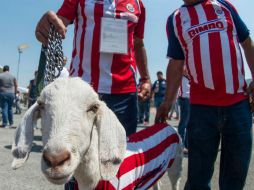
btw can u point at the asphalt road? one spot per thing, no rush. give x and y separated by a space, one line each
30 177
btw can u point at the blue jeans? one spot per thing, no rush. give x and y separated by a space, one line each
210 125
144 111
184 104
158 100
6 101
125 107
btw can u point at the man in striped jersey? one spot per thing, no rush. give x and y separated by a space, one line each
206 36
111 73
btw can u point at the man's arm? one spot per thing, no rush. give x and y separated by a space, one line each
141 61
174 78
248 47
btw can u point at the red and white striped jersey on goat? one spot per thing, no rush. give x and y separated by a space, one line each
149 154
207 35
108 73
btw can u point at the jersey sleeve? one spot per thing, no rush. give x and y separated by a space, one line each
175 50
140 28
68 9
242 30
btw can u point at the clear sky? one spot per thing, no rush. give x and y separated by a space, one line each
18 20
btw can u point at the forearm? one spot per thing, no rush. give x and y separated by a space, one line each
65 21
174 78
248 47
141 59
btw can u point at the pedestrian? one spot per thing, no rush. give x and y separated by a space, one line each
8 88
17 102
32 91
108 46
206 35
184 104
174 109
143 111
158 89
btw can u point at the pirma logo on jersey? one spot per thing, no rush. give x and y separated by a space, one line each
211 26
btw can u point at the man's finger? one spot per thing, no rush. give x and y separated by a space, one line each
41 38
58 23
43 31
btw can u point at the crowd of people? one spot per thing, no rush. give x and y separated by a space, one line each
205 77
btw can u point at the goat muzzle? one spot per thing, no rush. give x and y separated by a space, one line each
56 159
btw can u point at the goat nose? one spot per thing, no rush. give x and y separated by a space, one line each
54 160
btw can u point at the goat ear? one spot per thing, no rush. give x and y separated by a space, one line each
112 142
22 144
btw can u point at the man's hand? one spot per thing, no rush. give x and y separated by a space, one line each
162 113
144 91
250 91
43 26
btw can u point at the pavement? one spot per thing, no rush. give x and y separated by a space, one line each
29 177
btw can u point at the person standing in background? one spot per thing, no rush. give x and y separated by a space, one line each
184 103
158 89
32 91
8 89
174 109
143 110
17 102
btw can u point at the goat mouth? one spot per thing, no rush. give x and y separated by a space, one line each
59 179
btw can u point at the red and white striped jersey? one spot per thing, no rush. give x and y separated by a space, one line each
149 154
207 35
107 73
184 90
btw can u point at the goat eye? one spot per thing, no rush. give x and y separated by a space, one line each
93 108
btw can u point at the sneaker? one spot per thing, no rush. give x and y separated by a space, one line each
12 126
3 126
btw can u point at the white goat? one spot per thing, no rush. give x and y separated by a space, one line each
81 137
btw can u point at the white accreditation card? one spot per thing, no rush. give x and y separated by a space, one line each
114 36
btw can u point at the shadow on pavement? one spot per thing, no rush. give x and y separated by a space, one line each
35 148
